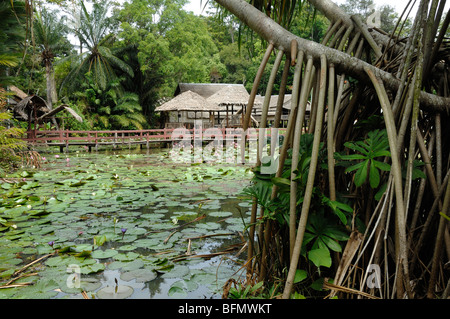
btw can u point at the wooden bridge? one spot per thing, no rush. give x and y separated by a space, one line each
93 139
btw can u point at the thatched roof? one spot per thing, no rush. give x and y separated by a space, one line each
188 101
273 103
23 109
204 89
60 108
230 95
27 106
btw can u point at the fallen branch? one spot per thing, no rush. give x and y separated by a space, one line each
211 235
17 285
175 229
210 255
32 263
21 276
328 285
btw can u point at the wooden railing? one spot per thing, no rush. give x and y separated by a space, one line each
94 138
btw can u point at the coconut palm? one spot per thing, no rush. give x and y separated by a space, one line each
93 31
50 37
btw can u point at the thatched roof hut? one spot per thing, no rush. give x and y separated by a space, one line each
203 89
32 105
184 105
16 95
230 95
34 109
286 107
188 101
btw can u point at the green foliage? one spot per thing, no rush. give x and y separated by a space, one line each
110 108
10 141
388 15
374 146
11 34
245 292
324 231
93 31
324 236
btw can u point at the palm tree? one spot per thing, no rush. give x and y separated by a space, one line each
11 33
111 107
93 31
50 36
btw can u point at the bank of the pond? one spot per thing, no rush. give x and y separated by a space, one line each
125 224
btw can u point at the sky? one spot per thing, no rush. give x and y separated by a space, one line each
399 5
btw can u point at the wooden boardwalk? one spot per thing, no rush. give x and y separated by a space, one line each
94 139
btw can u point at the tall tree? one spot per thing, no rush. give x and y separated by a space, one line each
50 34
94 32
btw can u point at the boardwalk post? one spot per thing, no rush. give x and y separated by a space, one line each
96 142
165 138
67 141
115 140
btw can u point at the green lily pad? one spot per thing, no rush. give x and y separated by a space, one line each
220 214
178 271
115 292
94 268
180 288
103 254
43 289
146 242
130 256
140 275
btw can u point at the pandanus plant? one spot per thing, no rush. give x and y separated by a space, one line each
354 74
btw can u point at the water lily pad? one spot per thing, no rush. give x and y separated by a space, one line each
127 256
43 289
182 287
208 225
140 275
102 254
127 247
132 265
178 271
146 242
115 292
220 214
94 268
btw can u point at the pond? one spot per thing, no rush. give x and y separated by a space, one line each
123 224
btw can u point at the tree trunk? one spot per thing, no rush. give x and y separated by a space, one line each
51 89
344 63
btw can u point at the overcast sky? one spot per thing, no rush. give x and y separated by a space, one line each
399 5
